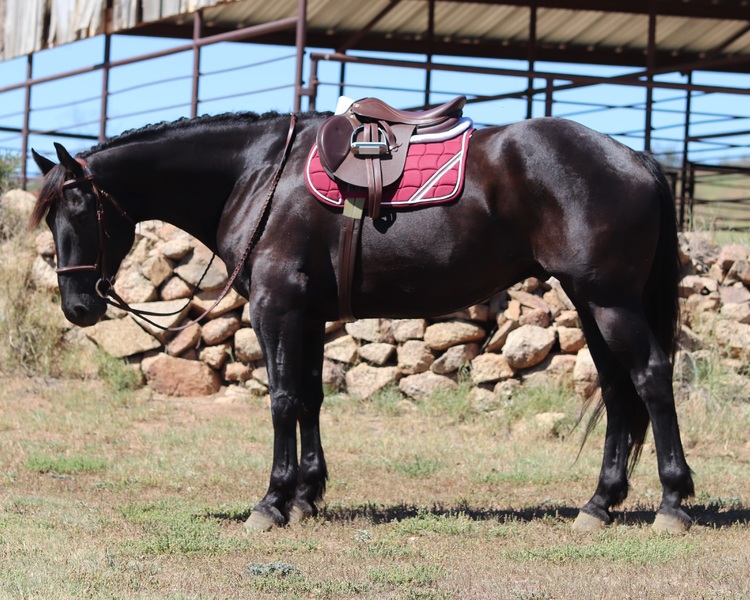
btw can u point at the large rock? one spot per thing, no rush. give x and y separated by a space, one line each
733 338
133 287
414 356
207 298
193 268
408 329
170 313
179 377
504 327
370 330
455 358
185 340
43 275
585 375
424 385
490 368
730 254
122 337
442 336
343 349
364 380
17 203
175 288
377 353
571 339
156 269
215 356
246 345
528 346
220 329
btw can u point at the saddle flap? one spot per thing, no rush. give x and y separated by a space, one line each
351 169
334 139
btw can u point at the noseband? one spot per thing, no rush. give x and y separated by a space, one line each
106 282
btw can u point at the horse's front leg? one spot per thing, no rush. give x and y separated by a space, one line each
293 351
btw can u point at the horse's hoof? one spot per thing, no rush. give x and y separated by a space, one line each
588 523
299 513
259 522
671 524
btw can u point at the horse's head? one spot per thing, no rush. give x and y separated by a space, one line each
92 234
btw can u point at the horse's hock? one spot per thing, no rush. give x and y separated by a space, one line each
529 333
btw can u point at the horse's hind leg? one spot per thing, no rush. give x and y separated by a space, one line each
625 333
627 421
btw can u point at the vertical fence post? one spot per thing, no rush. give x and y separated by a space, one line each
197 33
301 44
26 121
685 150
650 64
105 87
531 60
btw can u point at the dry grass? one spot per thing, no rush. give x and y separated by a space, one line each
107 493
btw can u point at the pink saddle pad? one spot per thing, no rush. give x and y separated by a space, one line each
434 174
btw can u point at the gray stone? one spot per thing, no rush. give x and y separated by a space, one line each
215 356
17 203
423 385
122 337
701 248
695 284
557 369
165 308
364 380
571 339
193 268
490 368
504 327
585 375
44 244
133 287
568 318
156 269
528 346
414 356
205 299
730 254
408 329
343 349
185 340
734 294
535 316
174 289
334 376
175 249
371 330
179 377
220 329
733 338
737 312
455 358
441 336
377 353
43 275
689 340
246 345
236 372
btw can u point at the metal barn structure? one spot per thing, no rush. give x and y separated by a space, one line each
540 56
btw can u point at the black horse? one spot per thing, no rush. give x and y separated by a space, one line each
544 197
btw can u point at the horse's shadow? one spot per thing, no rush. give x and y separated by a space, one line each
712 515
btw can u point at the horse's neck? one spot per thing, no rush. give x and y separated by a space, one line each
171 181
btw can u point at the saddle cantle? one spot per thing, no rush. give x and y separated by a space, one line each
366 146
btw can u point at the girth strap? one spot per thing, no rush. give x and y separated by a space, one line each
349 240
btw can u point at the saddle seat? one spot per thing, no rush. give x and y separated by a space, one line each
365 146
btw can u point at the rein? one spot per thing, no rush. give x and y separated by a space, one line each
100 266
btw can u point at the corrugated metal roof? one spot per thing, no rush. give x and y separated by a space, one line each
612 32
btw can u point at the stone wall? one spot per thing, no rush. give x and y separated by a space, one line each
530 332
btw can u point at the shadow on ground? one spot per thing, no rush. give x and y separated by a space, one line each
714 515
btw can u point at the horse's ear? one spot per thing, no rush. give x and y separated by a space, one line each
44 163
67 161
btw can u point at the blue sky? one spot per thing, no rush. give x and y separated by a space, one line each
259 78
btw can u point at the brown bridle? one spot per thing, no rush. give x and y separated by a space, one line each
100 266
105 284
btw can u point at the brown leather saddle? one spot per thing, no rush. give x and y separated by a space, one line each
365 148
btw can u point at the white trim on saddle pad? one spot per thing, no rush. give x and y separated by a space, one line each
463 124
